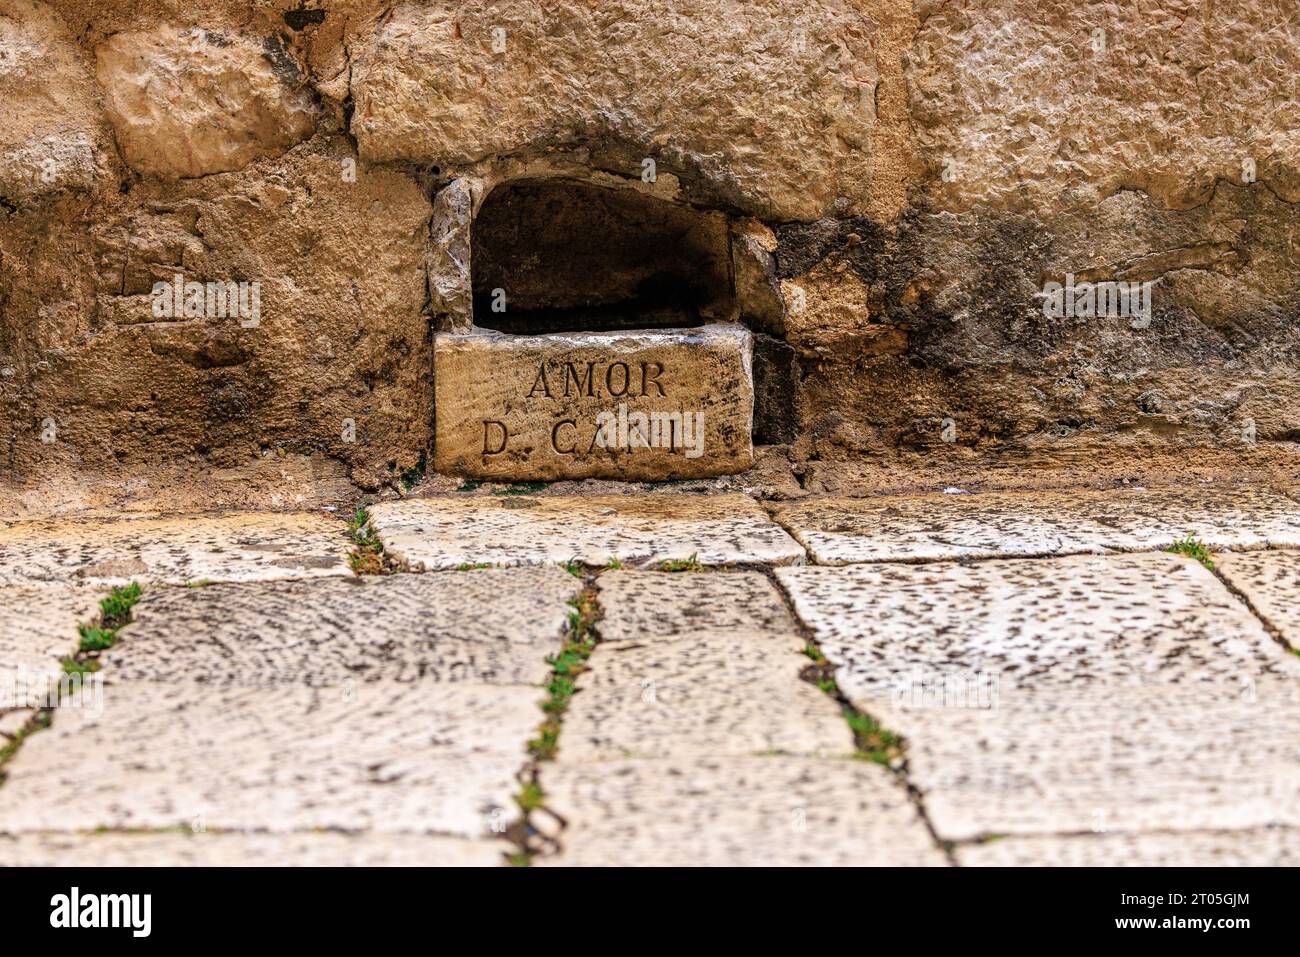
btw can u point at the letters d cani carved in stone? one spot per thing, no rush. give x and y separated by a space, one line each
627 405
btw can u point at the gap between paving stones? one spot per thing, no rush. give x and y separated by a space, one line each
114 614
1238 593
580 641
873 742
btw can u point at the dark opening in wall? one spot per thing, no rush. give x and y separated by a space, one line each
559 256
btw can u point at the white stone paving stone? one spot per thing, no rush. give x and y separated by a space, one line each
1006 524
1270 581
483 626
378 756
1257 847
1062 622
731 686
236 546
752 811
1053 696
434 534
240 849
740 605
38 628
1118 759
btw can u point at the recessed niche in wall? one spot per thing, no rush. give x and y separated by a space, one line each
558 256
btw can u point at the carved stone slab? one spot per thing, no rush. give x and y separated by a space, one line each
641 405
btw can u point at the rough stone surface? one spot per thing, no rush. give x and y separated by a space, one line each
681 699
246 850
1118 693
1045 110
988 525
733 609
718 691
1114 758
1258 847
38 627
485 626
191 102
641 530
52 133
704 88
756 811
1061 623
237 546
575 405
1270 581
380 757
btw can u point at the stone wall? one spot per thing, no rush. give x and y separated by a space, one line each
900 179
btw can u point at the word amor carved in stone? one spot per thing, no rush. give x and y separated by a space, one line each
629 405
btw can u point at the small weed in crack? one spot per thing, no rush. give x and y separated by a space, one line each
1193 547
566 665
689 564
114 613
367 556
871 741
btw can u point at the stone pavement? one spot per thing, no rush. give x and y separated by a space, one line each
961 679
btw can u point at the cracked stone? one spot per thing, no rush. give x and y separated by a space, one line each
1270 581
483 626
437 534
377 756
238 546
1006 524
769 811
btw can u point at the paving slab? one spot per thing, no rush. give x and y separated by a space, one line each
1111 758
1001 625
436 534
312 849
1270 582
1257 847
379 756
678 699
1006 524
38 627
1037 697
730 687
236 546
484 626
751 811
645 607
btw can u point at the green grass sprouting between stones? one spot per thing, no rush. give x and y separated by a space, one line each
367 556
688 564
114 612
871 741
571 661
1193 547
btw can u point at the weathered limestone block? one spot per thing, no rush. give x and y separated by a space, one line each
1044 101
189 102
704 88
629 405
51 135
